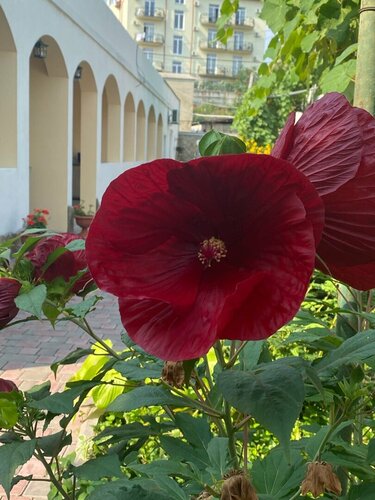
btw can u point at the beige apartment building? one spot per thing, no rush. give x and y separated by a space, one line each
179 38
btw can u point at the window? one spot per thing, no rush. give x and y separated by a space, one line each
238 40
211 64
213 13
149 30
240 15
176 67
149 53
236 65
181 2
211 41
179 19
149 8
177 45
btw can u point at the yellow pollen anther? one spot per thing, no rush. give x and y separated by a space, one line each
210 250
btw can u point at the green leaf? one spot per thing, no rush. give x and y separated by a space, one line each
147 395
179 450
356 349
347 52
12 456
81 309
218 453
136 489
95 469
134 370
75 245
371 451
338 78
275 476
250 354
365 491
54 443
172 488
195 430
71 358
309 40
207 140
32 301
8 410
39 391
274 13
62 402
163 467
273 395
215 143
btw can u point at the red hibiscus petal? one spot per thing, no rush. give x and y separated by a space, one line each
284 142
327 143
7 385
9 289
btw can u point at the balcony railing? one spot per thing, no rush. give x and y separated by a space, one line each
244 23
208 19
155 14
231 47
149 38
217 72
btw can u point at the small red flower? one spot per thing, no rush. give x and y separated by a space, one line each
333 144
66 265
9 289
7 385
219 247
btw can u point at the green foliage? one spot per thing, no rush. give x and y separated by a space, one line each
12 456
216 143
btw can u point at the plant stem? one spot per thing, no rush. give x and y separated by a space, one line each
60 489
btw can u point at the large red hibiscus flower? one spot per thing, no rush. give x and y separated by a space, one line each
9 289
333 144
66 266
216 248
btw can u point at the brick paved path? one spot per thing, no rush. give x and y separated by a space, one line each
26 353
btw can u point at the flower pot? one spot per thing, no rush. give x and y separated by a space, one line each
83 221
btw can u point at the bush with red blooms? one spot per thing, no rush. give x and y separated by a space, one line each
9 289
7 385
66 265
205 250
37 219
333 145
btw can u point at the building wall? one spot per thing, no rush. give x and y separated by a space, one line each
49 117
246 47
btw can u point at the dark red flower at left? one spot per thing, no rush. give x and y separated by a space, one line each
7 385
67 265
219 247
9 289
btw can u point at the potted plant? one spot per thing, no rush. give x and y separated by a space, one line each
37 219
83 217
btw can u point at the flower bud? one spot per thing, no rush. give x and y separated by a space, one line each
238 487
7 385
320 478
173 373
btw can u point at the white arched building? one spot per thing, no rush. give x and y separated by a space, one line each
72 121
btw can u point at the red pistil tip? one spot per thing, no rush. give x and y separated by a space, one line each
212 249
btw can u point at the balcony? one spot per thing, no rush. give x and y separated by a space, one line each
208 20
149 39
158 65
214 45
218 72
242 23
150 14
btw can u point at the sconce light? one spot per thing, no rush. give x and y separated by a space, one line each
78 73
40 49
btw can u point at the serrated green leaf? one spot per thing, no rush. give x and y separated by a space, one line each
12 456
71 358
133 369
179 450
32 301
54 443
62 402
81 309
218 454
274 395
195 430
163 467
95 469
147 395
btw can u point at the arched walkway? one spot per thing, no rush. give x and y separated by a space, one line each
140 135
111 113
49 133
159 138
129 128
84 135
151 134
8 95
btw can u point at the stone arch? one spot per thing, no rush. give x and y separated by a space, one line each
49 133
140 135
8 95
159 137
151 134
129 128
111 116
84 143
